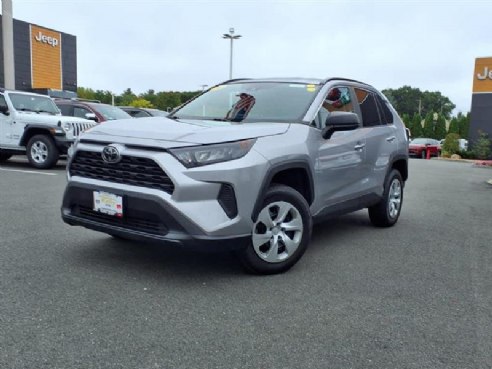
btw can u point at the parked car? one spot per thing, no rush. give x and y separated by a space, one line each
31 124
248 165
419 147
143 112
90 109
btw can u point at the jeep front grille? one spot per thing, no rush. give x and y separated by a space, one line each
79 127
131 170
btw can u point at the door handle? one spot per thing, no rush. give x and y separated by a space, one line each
391 139
359 147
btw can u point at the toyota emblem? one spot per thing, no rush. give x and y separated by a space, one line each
110 154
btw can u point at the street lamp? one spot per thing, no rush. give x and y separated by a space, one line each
231 36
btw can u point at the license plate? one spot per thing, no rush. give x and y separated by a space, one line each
108 203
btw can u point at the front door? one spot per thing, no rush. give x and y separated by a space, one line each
340 158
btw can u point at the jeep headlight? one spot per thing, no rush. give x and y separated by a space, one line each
67 127
197 156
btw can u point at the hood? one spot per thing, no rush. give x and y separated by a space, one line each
168 132
42 118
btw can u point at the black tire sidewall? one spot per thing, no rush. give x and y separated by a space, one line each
250 258
53 152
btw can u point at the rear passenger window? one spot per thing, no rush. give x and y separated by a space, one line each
385 112
368 108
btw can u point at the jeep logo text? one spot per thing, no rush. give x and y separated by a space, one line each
486 74
46 39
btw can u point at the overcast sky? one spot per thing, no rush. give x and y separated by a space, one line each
178 45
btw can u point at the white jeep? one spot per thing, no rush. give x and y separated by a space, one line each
32 124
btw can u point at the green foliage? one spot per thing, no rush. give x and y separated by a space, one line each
440 128
451 144
428 130
410 100
482 146
416 126
164 100
463 124
141 103
454 126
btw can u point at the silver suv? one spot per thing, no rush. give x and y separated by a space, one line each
248 165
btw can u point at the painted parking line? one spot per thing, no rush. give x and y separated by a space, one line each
27 171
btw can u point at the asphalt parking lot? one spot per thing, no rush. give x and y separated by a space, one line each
418 295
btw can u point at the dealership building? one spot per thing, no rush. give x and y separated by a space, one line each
45 60
481 108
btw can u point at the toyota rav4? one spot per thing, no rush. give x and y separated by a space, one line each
247 165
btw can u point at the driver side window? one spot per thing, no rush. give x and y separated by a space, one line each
337 99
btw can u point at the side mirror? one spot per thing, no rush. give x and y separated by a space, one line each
4 109
340 121
91 116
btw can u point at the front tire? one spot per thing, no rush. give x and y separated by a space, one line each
42 152
387 211
281 233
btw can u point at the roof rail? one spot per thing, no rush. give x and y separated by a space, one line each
236 79
77 99
344 79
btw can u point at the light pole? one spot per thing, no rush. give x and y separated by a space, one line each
231 36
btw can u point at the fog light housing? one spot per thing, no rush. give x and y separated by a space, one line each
227 200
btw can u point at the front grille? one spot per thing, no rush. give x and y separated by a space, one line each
131 170
147 224
79 127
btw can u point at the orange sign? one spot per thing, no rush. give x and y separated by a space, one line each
482 79
46 68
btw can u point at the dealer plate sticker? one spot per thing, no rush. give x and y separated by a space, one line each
108 203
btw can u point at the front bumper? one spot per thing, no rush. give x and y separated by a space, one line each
192 214
146 218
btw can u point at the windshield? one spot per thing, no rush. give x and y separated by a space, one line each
252 102
111 112
33 103
423 141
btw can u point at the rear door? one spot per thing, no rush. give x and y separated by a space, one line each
380 137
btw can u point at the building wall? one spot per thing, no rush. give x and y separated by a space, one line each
481 109
41 63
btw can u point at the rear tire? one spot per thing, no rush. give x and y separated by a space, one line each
281 233
42 152
4 157
387 211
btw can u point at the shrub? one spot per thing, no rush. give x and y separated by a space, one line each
451 144
482 146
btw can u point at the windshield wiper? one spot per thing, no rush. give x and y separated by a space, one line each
27 109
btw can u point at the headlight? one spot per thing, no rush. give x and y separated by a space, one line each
67 127
197 156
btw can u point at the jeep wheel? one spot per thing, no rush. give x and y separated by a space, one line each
4 157
387 211
280 234
42 152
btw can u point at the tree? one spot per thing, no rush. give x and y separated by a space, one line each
141 103
454 126
429 125
416 129
440 128
464 125
410 100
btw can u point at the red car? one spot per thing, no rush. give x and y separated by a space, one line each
419 147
